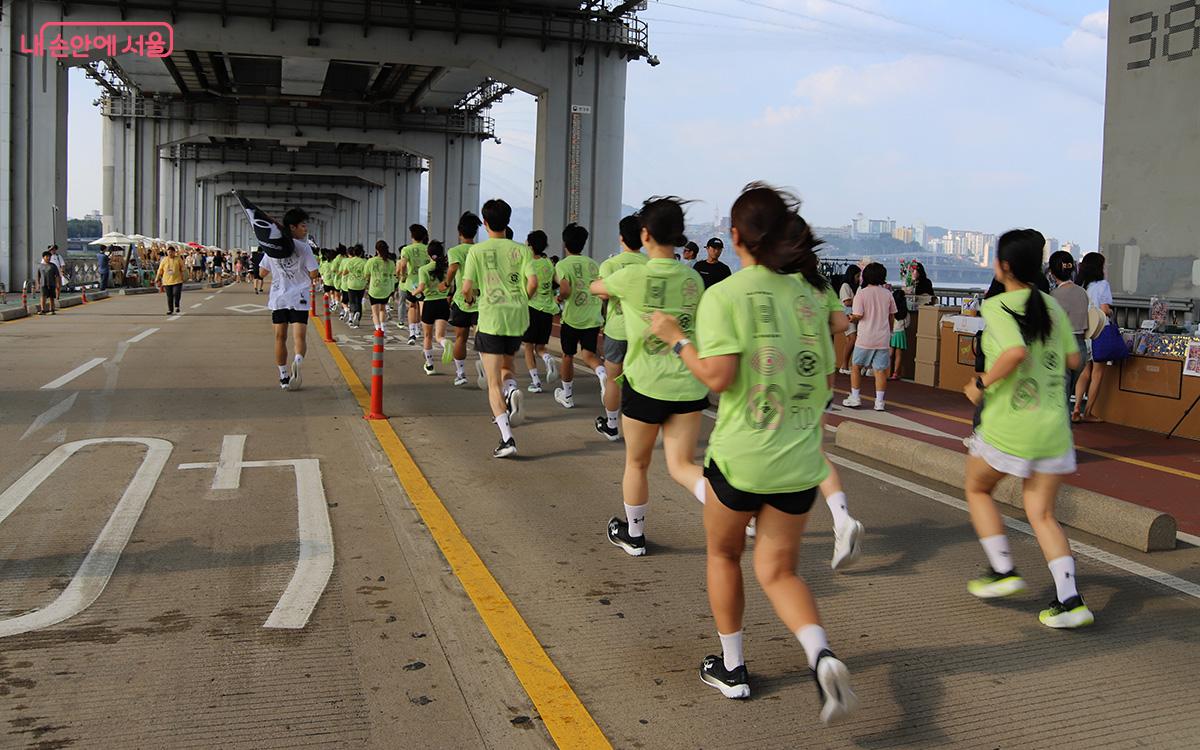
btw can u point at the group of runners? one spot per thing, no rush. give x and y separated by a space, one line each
762 340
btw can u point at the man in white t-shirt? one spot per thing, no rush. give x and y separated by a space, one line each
291 286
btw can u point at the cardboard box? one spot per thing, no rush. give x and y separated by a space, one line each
926 373
929 319
928 348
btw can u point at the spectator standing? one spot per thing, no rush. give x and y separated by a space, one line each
1091 278
256 258
690 251
102 267
846 294
712 271
169 278
1074 301
57 259
873 311
48 280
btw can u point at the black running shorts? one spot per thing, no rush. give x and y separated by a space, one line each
377 300
575 338
460 319
434 310
289 316
328 287
488 343
538 332
650 410
792 503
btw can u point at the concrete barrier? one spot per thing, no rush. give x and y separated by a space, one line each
1107 517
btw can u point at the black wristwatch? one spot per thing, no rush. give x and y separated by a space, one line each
679 345
979 383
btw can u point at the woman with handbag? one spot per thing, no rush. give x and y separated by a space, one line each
1091 278
1024 431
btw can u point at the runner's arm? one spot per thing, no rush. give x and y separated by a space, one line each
531 285
451 272
838 322
717 373
468 291
564 290
599 289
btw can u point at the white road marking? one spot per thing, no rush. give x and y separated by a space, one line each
1087 550
174 317
142 336
889 419
198 304
247 308
51 414
93 574
60 382
1189 538
314 565
206 299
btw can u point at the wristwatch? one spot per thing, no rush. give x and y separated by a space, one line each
679 346
979 383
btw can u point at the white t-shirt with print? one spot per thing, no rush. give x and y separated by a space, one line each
290 282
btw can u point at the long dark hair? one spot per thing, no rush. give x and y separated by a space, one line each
770 226
1021 250
437 253
924 285
1091 269
383 251
853 277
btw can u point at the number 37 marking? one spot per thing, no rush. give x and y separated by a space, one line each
1172 27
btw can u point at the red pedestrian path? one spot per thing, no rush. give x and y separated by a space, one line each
1134 465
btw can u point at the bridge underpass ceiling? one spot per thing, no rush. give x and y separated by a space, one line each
287 181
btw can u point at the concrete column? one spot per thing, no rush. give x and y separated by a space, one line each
580 135
33 139
453 184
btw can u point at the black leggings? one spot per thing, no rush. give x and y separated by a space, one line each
356 296
174 294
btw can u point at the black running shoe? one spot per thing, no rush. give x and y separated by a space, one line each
618 534
284 383
732 684
833 685
613 434
505 449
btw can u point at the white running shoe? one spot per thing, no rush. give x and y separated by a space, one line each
480 377
429 369
534 388
852 401
296 381
568 402
514 402
752 528
551 372
843 372
833 681
460 380
879 406
847 545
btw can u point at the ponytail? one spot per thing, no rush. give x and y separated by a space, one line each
437 253
770 226
1021 251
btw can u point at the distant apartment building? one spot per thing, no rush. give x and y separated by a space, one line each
919 234
969 245
1074 249
864 227
904 234
1049 249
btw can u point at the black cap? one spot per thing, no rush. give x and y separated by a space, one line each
715 242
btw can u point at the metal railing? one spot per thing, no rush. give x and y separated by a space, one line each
1128 310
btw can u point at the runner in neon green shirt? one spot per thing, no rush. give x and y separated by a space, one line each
615 344
1024 428
493 276
355 269
433 292
463 315
381 282
339 281
542 307
760 345
581 319
412 257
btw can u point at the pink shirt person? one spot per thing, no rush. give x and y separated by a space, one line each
874 303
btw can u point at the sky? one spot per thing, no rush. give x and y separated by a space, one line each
980 115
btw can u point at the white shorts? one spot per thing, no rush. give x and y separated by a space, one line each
1006 463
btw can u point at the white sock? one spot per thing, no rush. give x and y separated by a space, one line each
636 516
535 377
853 393
414 329
837 507
510 385
283 371
428 356
547 358
299 358
1063 570
568 388
505 427
700 491
879 397
613 418
731 650
601 373
998 555
460 367
812 638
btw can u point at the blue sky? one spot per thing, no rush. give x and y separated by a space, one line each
984 114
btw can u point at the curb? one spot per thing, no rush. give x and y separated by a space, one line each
1119 521
16 313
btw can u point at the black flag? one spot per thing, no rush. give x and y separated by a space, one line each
270 236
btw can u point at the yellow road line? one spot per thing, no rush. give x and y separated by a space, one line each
1093 451
565 717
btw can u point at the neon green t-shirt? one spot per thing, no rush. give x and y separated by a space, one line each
614 323
543 298
458 254
494 268
356 273
432 292
381 277
665 284
1025 414
416 255
323 270
582 309
832 305
768 433
338 279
